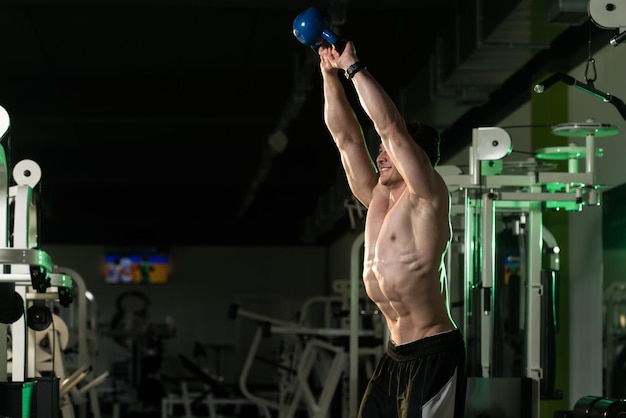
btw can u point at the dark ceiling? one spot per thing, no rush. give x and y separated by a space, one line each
153 120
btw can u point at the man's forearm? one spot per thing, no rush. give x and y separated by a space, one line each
338 114
375 101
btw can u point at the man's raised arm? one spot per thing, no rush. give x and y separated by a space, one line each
346 131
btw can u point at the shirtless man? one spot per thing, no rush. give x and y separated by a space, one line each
407 233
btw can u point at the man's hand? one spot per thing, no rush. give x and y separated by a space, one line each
331 59
325 60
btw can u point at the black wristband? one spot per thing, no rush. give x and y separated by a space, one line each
353 69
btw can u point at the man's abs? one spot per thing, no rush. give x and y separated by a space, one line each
414 305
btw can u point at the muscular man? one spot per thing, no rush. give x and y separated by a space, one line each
407 233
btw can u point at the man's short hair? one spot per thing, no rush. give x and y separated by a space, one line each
427 138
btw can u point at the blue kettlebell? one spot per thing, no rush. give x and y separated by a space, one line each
312 27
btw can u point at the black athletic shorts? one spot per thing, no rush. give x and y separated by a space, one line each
422 379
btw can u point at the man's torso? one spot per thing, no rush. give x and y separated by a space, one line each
404 246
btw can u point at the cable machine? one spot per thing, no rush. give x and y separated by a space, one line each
33 378
510 262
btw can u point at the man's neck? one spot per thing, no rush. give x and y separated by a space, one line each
396 191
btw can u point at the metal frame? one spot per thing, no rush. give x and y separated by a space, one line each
488 192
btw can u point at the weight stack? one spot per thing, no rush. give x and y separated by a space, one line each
18 399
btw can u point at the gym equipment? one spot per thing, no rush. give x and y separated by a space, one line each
5 122
29 282
599 407
39 316
586 87
11 304
214 394
131 317
609 15
303 361
316 357
572 153
17 396
312 28
486 199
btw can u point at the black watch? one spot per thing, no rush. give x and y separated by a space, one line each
353 69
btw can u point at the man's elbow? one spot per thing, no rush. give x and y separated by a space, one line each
390 126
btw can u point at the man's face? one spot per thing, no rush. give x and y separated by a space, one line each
387 171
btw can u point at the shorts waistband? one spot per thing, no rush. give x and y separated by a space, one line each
445 341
